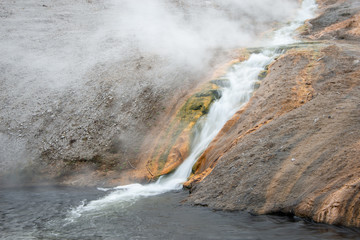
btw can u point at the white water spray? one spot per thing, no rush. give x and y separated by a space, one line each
286 34
242 77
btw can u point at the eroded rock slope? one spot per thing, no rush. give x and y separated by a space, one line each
295 147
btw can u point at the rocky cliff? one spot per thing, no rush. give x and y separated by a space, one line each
295 147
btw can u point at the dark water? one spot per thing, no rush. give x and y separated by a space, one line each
42 213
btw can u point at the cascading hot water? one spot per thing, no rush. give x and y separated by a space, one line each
241 77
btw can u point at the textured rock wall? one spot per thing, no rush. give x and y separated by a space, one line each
295 147
173 144
168 144
338 20
83 82
87 132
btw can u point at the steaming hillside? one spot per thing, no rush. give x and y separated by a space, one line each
83 81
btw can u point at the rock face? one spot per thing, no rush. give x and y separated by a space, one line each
88 134
338 20
295 147
79 94
80 135
172 145
77 101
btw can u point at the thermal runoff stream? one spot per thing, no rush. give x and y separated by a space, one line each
242 78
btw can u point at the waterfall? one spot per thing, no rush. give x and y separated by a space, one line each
242 77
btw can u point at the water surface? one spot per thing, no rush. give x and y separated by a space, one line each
43 213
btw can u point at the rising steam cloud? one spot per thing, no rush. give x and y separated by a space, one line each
61 40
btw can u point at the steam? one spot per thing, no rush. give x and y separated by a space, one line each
187 32
58 58
11 152
57 42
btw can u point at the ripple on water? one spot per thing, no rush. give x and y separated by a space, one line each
42 213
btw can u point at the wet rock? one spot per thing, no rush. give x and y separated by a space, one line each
262 74
257 85
337 20
172 145
299 117
221 82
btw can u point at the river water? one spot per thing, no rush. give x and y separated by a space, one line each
43 213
